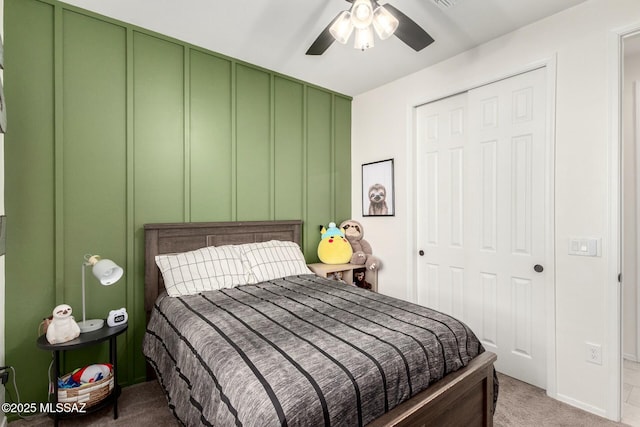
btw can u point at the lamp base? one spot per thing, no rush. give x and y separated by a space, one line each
91 325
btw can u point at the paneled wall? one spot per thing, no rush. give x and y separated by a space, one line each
111 127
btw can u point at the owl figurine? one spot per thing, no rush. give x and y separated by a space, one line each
63 327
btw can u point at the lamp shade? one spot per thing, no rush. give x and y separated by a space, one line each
384 23
107 272
364 38
361 14
342 28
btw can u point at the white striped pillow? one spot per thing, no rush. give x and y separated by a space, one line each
273 260
204 269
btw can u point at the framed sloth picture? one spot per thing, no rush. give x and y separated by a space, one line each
377 189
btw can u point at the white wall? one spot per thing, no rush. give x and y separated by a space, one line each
629 273
578 38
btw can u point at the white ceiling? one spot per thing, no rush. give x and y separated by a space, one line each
275 34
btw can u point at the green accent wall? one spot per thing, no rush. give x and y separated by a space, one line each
110 127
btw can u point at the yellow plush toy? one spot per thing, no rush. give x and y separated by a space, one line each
334 248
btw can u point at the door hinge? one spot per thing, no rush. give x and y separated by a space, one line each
619 277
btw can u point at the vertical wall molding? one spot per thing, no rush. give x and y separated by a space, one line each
303 160
234 142
272 146
131 302
334 190
305 166
187 131
58 153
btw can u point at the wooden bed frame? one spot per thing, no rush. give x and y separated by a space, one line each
462 398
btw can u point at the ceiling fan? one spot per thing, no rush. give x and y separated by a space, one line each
361 17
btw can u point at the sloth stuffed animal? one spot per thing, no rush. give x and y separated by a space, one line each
362 253
62 328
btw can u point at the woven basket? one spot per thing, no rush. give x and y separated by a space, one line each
90 393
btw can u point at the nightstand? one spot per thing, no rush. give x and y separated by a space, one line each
323 270
85 340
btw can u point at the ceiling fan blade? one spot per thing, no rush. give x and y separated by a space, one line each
324 40
410 32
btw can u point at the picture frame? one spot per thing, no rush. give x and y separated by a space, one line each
378 192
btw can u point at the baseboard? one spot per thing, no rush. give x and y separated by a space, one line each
581 405
630 357
140 380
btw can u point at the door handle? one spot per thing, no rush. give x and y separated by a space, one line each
421 252
538 268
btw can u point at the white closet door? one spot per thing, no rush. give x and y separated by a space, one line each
481 206
441 136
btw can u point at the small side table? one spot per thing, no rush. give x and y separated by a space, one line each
85 340
323 270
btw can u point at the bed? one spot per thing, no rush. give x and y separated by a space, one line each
304 350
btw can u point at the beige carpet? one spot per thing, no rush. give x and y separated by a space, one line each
139 405
519 405
523 405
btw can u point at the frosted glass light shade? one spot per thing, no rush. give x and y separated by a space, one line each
342 27
364 38
384 23
362 14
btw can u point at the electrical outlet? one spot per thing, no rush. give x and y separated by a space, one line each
4 377
594 353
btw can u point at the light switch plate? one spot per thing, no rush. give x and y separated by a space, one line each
584 246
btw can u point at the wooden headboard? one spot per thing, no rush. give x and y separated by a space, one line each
187 236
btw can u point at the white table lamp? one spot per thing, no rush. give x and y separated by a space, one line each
108 273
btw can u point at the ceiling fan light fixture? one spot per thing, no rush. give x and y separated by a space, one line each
384 23
362 14
365 16
342 27
364 38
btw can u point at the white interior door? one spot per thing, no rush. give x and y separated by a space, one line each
441 136
481 217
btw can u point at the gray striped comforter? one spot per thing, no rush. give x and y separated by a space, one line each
298 351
